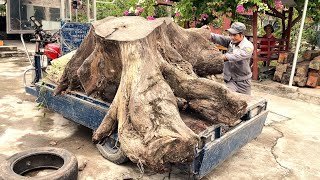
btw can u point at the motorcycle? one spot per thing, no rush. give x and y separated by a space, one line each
47 50
46 43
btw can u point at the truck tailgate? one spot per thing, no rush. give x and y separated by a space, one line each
218 147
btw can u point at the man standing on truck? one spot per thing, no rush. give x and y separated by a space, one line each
236 70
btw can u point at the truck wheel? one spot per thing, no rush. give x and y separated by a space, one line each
110 149
63 164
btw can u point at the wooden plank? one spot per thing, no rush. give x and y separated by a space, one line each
302 69
313 72
220 47
286 57
289 68
282 57
313 81
282 67
300 81
278 76
285 78
310 54
290 57
315 63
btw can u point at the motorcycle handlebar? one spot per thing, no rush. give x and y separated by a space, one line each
42 36
36 23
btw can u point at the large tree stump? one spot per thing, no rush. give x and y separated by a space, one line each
310 54
145 69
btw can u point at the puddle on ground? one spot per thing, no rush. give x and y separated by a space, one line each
10 69
20 118
31 141
54 125
14 137
18 109
45 124
21 63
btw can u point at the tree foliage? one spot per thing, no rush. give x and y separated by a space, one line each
144 8
209 11
313 11
191 9
2 8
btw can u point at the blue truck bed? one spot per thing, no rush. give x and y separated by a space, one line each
216 145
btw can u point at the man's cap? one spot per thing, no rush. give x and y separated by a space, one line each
236 28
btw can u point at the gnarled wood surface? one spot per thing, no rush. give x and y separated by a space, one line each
146 68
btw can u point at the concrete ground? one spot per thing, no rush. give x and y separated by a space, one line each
30 46
306 94
288 147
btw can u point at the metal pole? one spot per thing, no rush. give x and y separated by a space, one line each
62 10
70 10
255 45
88 10
25 48
298 42
94 10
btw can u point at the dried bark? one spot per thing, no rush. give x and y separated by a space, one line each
145 69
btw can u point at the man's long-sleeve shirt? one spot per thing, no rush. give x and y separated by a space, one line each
238 55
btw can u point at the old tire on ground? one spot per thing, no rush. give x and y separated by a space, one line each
63 162
110 149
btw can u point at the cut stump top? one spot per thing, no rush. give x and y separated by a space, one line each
135 27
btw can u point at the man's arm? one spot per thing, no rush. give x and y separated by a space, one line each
242 54
219 39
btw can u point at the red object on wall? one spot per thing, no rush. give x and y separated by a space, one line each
225 26
226 22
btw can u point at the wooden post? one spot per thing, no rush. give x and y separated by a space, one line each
255 44
269 53
289 28
47 13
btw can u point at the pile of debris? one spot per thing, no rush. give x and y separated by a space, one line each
307 71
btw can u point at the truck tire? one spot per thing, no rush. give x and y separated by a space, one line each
110 149
64 163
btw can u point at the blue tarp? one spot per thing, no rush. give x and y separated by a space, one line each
72 35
